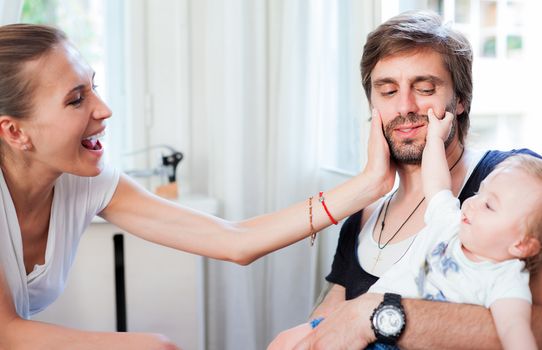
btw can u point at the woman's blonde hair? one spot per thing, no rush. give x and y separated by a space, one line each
20 44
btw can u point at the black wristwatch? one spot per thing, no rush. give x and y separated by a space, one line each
388 319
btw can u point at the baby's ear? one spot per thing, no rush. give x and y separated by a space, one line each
525 247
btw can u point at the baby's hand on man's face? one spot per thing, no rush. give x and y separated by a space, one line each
439 127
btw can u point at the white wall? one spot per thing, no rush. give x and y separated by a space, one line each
159 85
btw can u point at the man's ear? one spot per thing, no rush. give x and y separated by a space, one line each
459 108
525 247
12 133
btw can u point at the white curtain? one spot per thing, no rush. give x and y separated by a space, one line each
254 98
296 60
10 11
256 91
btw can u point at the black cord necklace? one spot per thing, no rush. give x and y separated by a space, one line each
409 216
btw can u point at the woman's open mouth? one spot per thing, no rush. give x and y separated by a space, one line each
93 142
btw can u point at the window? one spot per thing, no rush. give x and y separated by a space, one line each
505 69
96 29
507 52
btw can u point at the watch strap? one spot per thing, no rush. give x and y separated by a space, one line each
392 299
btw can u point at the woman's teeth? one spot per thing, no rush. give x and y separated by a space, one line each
95 137
93 142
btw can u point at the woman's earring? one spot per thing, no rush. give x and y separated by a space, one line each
25 147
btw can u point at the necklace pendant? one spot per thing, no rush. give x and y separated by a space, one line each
376 259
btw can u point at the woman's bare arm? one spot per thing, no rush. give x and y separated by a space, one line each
19 334
139 212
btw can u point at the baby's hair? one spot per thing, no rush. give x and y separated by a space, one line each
532 166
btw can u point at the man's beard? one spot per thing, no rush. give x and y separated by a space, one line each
409 151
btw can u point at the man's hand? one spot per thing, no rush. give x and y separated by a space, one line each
346 328
439 127
287 339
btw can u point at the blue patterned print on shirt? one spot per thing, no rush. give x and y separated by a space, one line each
420 280
447 263
440 249
425 269
437 262
435 297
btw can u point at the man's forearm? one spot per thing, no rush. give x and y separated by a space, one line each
439 325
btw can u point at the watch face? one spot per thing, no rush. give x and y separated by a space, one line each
388 320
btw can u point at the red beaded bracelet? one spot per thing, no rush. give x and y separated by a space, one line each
323 201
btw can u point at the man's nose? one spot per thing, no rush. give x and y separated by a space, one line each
407 104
